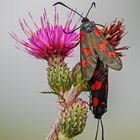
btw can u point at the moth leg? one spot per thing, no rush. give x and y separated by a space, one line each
71 31
90 102
73 46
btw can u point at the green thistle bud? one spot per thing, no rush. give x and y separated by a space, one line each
77 78
73 120
58 75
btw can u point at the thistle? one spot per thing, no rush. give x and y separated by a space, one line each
50 43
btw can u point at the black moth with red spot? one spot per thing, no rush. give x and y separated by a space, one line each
96 55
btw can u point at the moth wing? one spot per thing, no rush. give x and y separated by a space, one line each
105 52
88 65
88 58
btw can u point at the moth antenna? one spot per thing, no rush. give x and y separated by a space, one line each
67 7
71 31
93 3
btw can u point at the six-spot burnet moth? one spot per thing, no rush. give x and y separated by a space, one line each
96 55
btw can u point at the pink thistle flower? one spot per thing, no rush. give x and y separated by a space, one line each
48 40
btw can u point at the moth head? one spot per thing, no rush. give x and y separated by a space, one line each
84 20
86 25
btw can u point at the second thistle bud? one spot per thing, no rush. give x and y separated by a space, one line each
77 78
73 120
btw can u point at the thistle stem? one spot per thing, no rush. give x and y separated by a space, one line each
75 93
54 134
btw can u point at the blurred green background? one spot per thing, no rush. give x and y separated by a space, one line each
25 114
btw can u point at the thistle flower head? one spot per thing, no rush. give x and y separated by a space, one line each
48 39
114 33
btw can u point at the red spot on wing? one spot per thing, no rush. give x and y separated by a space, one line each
95 102
96 31
82 36
87 51
111 54
84 63
102 47
92 87
98 84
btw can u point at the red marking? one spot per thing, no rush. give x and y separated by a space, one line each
96 32
82 36
102 47
111 55
87 51
95 102
84 63
98 84
92 87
